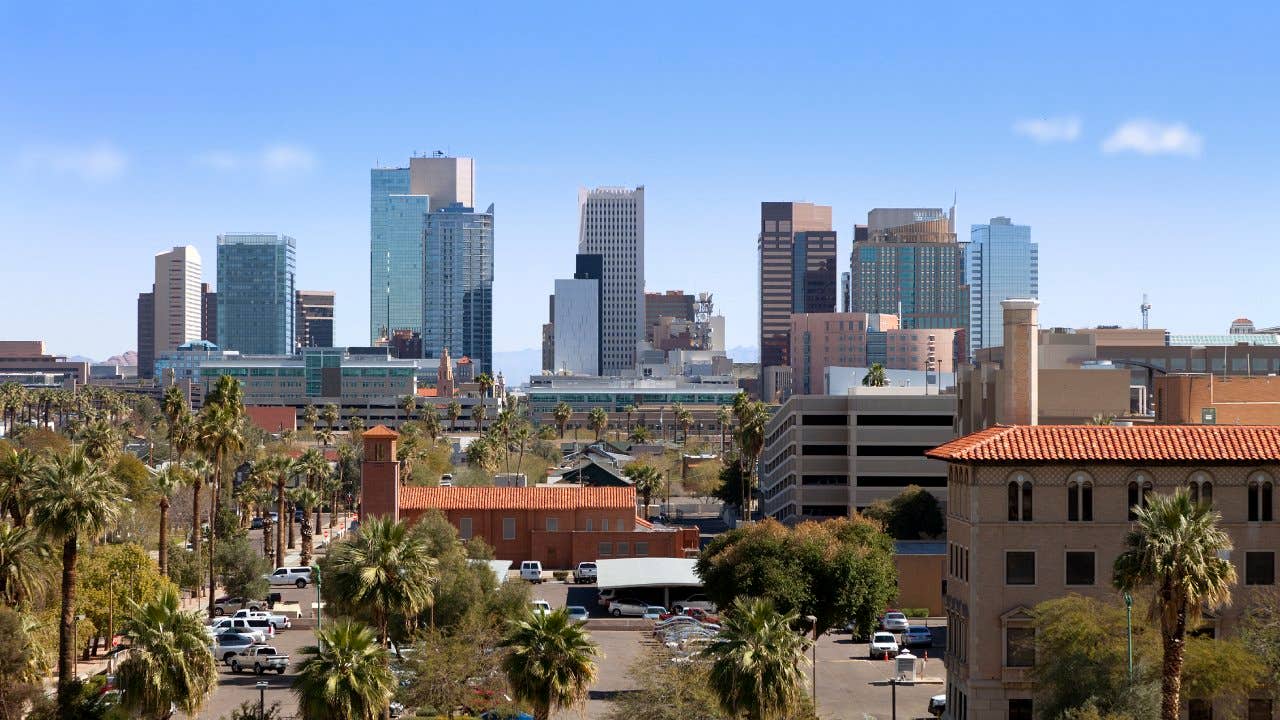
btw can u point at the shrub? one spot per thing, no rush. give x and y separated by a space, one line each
560 575
916 612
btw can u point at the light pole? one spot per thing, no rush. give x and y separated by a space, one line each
1128 626
262 700
813 622
315 573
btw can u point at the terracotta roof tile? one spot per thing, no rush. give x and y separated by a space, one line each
517 498
380 431
1113 443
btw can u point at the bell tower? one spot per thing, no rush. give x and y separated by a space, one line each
380 474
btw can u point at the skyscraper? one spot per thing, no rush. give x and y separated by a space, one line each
147 334
176 299
672 303
797 250
577 342
256 293
314 322
400 200
208 314
611 224
910 265
457 283
1001 263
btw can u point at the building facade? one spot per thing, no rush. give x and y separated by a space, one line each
208 314
30 357
911 265
797 255
1205 399
256 293
823 340
1001 262
457 301
672 303
177 298
576 344
314 323
146 334
611 224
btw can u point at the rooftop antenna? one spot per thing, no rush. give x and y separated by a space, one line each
1146 310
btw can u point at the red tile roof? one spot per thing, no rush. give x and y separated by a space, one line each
1113 443
428 392
380 431
517 498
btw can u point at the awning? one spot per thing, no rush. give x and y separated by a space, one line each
646 572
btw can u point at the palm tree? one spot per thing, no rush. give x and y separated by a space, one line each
347 675
598 420
750 438
485 381
200 469
166 481
757 661
431 423
325 436
266 471
174 404
478 414
629 410
1174 548
312 465
304 498
875 376
383 570
408 404
723 417
70 498
331 415
647 479
17 469
24 564
550 661
521 436
562 414
309 417
355 427
640 434
168 663
219 437
101 440
684 419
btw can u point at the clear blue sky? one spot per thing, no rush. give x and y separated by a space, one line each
1139 143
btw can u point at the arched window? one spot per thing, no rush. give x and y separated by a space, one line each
1080 497
1261 489
1020 498
1140 488
1201 487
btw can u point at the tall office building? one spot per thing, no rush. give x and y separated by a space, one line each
845 298
672 303
576 321
176 299
314 322
256 313
457 283
208 314
910 265
797 271
611 224
400 200
147 334
1001 263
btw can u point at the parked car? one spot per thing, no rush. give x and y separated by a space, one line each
881 643
917 636
279 622
937 705
584 573
227 605
894 622
653 612
272 599
531 570
500 715
255 524
702 602
605 597
696 613
298 576
227 645
446 480
259 630
541 607
577 613
632 608
259 658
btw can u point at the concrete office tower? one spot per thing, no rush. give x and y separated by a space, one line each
797 250
314 322
1001 262
399 200
256 293
208 314
177 299
845 280
146 334
672 303
611 224
457 283
911 265
549 335
1019 387
577 323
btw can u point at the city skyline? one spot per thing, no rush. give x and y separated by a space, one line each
1142 155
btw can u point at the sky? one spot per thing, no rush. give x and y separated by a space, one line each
1137 139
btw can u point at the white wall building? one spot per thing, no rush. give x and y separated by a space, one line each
577 326
611 223
177 298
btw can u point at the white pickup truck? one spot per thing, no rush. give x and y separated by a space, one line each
259 630
259 658
279 622
584 573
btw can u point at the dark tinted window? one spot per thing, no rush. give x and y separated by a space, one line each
826 420
1020 710
1259 568
1020 568
824 450
1080 568
901 481
893 450
907 420
824 510
824 479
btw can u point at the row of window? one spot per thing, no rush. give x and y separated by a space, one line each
1080 567
1260 490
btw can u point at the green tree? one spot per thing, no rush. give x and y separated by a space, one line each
1173 549
346 676
724 418
304 498
452 669
23 664
276 469
640 434
757 661
550 662
562 414
380 571
168 663
485 381
25 564
166 482
408 403
598 421
331 414
309 417
108 579
751 417
912 514
455 412
71 498
478 415
875 376
241 570
839 571
647 480
666 690
18 467
220 437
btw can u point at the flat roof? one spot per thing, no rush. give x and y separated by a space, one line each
646 572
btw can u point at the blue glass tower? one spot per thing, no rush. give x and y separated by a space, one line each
256 293
457 281
1001 262
398 221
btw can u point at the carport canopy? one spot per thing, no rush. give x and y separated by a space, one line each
647 572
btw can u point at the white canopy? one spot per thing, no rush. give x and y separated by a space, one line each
646 572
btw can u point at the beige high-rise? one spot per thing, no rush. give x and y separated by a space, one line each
446 180
178 310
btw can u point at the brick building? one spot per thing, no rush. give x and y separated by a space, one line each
1201 398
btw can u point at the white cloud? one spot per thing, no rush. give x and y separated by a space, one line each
218 160
287 158
274 159
95 163
1049 130
1149 137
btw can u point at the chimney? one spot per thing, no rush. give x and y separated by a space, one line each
1019 379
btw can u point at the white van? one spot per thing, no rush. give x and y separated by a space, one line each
531 570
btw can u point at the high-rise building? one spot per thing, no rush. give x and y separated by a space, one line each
147 334
911 265
314 323
256 293
577 323
400 200
208 314
846 280
1001 263
611 224
549 335
672 303
797 271
176 299
457 283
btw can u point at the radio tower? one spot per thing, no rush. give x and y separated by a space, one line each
1146 310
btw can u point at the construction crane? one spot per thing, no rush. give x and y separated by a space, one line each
1146 310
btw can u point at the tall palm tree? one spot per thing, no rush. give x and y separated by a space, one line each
220 437
562 414
166 481
455 412
478 414
598 420
200 469
757 661
347 675
101 440
408 404
550 661
168 663
355 427
749 436
309 417
24 564
629 410
304 498
383 570
1173 548
276 470
72 497
647 480
17 469
875 376
330 415
521 437
314 468
431 422
684 419
724 416
485 381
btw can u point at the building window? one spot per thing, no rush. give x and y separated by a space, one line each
604 525
508 528
1080 567
1198 709
589 525
606 549
1260 568
623 548
464 528
553 524
1080 498
1201 487
1260 495
642 549
1019 567
1019 647
1020 709
1260 709
1140 488
1020 498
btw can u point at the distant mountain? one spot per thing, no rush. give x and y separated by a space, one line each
81 358
128 357
744 353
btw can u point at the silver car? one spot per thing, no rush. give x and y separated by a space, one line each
894 622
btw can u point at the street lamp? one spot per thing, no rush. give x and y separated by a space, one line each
1128 626
262 700
813 623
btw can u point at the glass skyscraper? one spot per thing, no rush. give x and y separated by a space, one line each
398 221
457 282
1001 262
910 265
256 293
